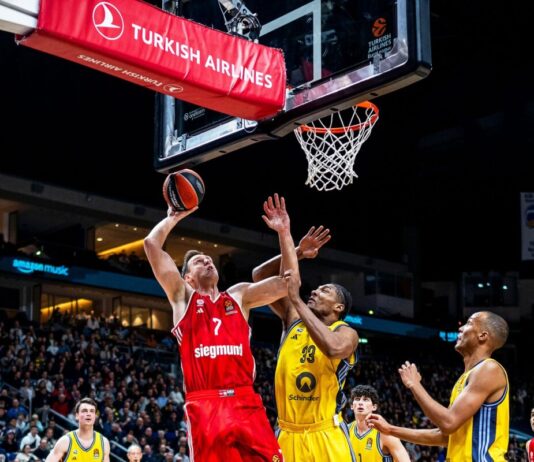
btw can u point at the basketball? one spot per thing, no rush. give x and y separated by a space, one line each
183 190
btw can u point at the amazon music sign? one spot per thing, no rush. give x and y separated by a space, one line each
138 42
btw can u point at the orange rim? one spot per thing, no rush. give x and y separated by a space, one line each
339 130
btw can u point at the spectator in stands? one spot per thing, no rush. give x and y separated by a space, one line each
16 409
5 400
92 323
139 428
3 418
22 424
35 421
182 452
61 406
53 348
129 439
42 451
116 433
148 454
31 439
9 444
176 396
25 454
42 402
26 391
56 433
50 438
134 453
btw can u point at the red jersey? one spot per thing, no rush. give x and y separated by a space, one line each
530 450
214 343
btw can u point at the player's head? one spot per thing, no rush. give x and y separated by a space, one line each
134 453
364 400
85 411
532 419
330 298
198 268
483 329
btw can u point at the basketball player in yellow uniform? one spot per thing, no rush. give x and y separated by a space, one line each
475 426
367 443
83 444
316 353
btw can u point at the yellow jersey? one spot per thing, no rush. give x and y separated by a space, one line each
308 384
78 453
366 446
485 435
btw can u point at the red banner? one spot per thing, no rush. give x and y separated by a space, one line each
138 42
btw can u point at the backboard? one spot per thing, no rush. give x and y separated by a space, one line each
337 53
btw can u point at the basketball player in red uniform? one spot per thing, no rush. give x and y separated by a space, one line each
226 418
530 443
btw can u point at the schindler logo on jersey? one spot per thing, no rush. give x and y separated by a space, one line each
213 351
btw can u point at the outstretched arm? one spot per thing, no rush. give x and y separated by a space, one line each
426 437
486 381
162 264
277 218
340 343
308 247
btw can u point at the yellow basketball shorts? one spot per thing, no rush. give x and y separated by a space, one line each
308 444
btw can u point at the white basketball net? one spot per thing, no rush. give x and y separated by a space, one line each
332 143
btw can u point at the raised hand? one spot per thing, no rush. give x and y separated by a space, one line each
179 215
410 376
276 216
314 239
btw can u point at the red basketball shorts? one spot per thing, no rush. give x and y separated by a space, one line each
230 425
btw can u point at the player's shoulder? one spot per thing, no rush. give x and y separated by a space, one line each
490 367
238 289
64 441
343 326
105 440
488 374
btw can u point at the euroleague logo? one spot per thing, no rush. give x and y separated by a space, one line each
108 21
379 27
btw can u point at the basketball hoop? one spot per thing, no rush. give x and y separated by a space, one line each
332 143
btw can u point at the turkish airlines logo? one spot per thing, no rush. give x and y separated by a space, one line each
108 21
